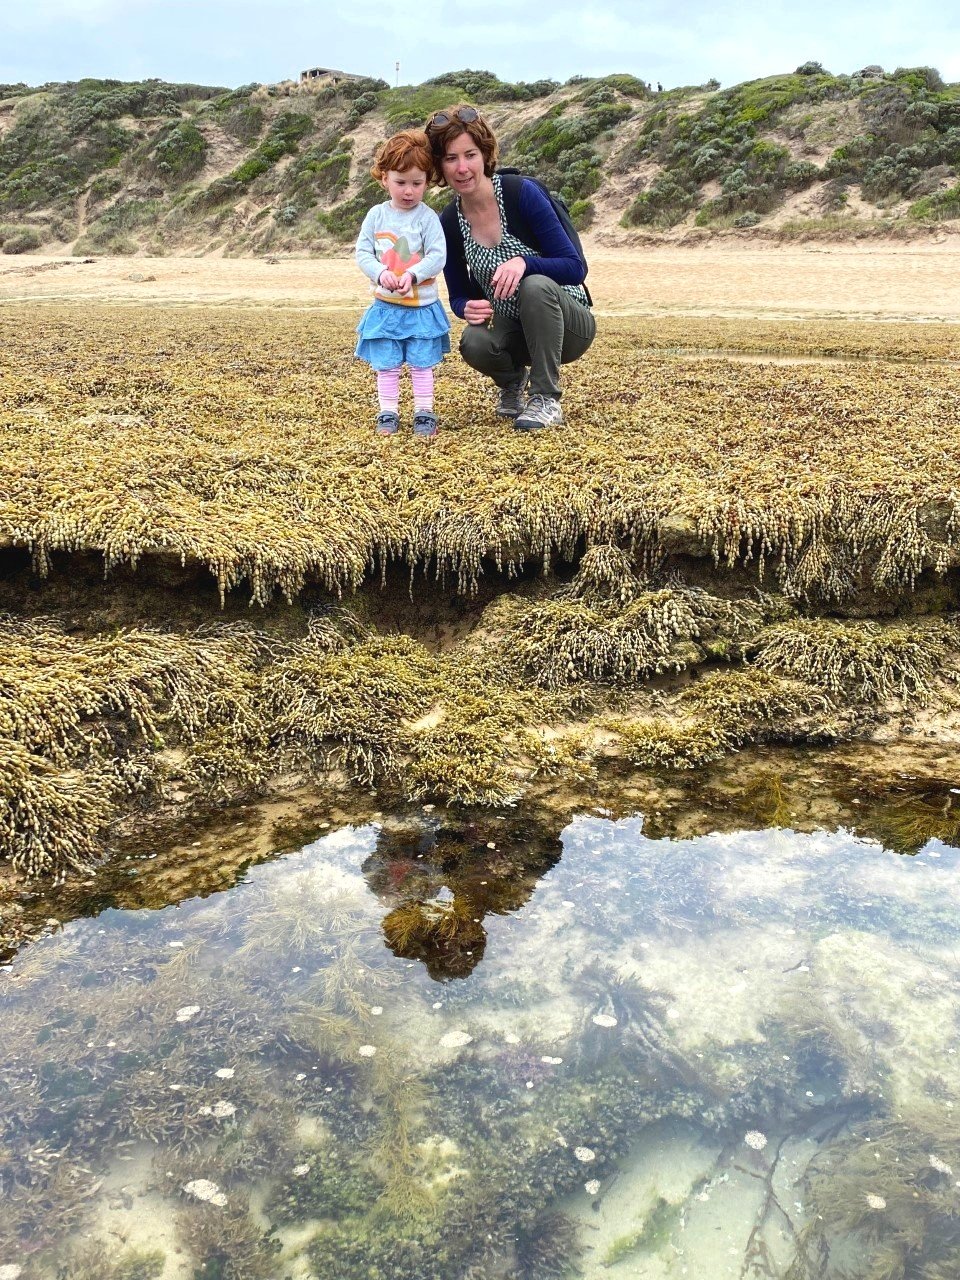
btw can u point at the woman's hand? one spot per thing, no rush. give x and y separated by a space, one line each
506 279
477 311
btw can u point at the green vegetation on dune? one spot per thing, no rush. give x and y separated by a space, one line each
280 168
64 135
559 149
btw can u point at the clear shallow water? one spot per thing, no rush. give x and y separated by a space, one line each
430 1048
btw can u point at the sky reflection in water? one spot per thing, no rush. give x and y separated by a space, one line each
448 1048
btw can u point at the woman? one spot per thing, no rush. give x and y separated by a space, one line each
512 272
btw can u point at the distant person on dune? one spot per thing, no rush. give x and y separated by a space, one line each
512 272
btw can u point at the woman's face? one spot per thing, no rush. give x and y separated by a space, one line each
462 165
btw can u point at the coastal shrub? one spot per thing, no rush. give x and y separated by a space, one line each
253 167
721 142
484 86
322 171
582 213
630 86
19 240
105 186
282 139
941 206
284 135
350 90
180 153
42 163
113 227
342 220
557 148
244 122
89 101
664 202
910 126
920 79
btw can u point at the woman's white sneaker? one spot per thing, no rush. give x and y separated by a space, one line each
539 411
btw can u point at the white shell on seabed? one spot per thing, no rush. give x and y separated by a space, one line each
220 1110
204 1189
367 1050
455 1039
941 1166
187 1012
755 1139
592 1187
584 1154
226 1073
875 1201
604 1020
10 1271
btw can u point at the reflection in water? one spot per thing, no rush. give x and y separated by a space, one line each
441 878
724 1055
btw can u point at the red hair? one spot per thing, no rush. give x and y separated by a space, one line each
408 149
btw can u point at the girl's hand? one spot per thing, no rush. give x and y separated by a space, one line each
506 279
404 284
477 311
387 280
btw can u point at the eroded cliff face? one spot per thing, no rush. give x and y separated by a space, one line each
715 553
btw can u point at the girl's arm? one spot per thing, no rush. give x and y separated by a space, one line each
434 246
558 257
366 250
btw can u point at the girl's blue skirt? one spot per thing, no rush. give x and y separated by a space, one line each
391 335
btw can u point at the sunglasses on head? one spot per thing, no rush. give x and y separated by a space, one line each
464 114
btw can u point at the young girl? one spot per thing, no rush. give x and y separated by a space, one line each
402 249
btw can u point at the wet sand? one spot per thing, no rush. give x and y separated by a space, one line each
886 281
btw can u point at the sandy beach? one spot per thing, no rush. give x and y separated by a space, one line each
917 282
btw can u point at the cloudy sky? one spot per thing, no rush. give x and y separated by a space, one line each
232 42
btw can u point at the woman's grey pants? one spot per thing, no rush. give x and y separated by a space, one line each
553 329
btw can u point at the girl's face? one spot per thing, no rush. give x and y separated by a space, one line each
462 164
405 188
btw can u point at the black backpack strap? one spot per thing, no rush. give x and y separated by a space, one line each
510 184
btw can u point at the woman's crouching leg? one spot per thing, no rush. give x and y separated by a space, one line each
557 330
496 351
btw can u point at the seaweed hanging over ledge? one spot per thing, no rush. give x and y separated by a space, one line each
262 468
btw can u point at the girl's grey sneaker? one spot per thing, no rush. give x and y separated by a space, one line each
539 411
511 398
424 425
388 423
